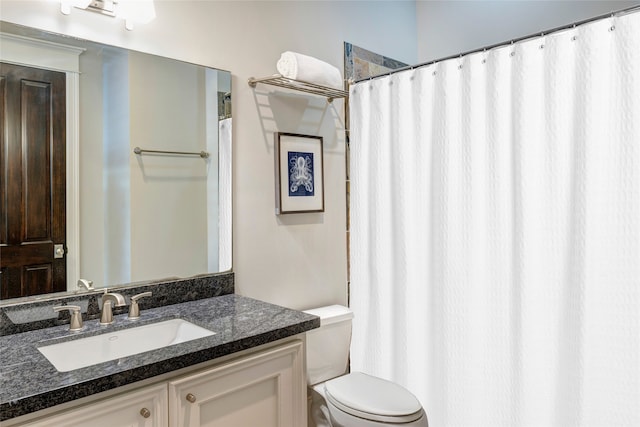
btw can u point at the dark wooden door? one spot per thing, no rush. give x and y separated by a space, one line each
32 181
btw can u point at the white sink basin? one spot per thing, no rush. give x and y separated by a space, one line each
69 355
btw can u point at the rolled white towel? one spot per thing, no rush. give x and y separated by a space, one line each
309 69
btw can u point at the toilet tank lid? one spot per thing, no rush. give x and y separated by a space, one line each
331 314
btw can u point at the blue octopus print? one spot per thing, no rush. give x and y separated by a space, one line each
300 174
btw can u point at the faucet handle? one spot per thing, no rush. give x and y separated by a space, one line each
134 309
76 316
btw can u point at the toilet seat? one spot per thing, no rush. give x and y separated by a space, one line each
373 399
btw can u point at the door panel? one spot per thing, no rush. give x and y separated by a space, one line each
267 389
35 127
32 190
34 275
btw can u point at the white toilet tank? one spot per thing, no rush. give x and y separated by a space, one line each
328 346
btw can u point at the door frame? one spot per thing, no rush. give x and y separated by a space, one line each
47 55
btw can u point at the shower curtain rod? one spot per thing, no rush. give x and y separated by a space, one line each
620 12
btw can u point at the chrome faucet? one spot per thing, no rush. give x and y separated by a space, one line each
110 300
76 316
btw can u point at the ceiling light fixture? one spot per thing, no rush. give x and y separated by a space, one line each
132 11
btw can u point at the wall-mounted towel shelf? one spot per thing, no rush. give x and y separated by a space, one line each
279 80
140 151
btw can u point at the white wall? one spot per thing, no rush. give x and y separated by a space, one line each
298 260
450 27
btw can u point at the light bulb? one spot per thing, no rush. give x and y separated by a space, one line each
136 12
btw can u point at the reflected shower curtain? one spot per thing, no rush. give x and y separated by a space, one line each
495 231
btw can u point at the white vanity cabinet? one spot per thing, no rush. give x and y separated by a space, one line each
266 388
146 407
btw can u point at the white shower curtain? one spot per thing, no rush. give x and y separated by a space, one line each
495 231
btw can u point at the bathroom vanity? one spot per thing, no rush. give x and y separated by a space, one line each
265 388
249 372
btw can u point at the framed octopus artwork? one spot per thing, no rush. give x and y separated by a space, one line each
299 173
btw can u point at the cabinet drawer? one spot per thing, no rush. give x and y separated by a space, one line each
140 408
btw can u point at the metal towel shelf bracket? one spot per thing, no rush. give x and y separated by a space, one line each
202 154
299 85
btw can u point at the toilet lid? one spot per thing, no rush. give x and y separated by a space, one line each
373 398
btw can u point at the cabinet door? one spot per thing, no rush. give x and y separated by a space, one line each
267 389
141 408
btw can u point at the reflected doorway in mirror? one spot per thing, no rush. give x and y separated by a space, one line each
33 199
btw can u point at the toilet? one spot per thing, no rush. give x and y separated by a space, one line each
341 399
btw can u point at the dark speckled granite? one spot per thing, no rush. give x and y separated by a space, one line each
28 382
37 314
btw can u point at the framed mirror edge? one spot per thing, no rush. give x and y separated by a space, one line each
73 175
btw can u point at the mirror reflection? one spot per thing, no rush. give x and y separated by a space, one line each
128 217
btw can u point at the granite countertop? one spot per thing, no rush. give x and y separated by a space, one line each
29 382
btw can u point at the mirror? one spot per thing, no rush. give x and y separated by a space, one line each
155 215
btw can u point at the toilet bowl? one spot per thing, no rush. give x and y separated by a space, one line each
341 399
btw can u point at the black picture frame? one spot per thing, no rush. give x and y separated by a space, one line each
299 173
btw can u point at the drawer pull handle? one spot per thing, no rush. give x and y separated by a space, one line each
145 413
191 398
